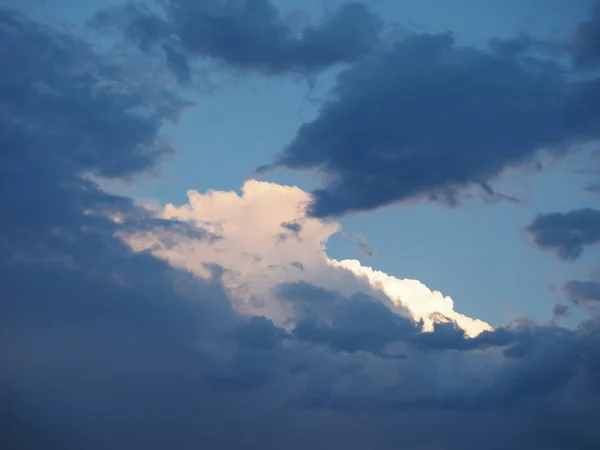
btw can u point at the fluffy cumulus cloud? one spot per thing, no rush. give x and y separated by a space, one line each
265 239
247 336
246 34
431 119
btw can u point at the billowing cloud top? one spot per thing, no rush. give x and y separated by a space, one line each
265 239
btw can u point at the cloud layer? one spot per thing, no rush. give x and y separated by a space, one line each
105 347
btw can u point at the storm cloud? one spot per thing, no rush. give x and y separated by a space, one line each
103 346
585 42
430 119
79 311
248 34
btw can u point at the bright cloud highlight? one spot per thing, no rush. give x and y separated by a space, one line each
265 239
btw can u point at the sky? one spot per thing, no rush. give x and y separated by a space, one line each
260 223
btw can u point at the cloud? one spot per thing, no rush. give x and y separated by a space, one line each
103 347
430 119
421 302
560 311
257 258
361 244
248 35
585 294
593 188
348 324
585 42
78 311
566 233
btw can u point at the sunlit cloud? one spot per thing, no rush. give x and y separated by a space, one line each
265 239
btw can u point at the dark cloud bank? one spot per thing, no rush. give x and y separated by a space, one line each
585 44
248 35
102 348
431 119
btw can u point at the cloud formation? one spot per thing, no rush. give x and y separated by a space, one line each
585 294
560 311
593 188
103 347
247 34
81 317
566 234
585 42
430 119
265 238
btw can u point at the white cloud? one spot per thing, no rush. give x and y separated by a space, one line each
259 251
416 297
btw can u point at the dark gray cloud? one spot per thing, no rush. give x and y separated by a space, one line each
584 294
294 227
593 188
585 42
566 234
105 348
538 363
246 34
351 324
297 264
362 323
560 311
81 317
430 119
531 370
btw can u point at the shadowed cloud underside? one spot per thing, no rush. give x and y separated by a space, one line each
222 323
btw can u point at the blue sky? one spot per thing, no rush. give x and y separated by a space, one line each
461 161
